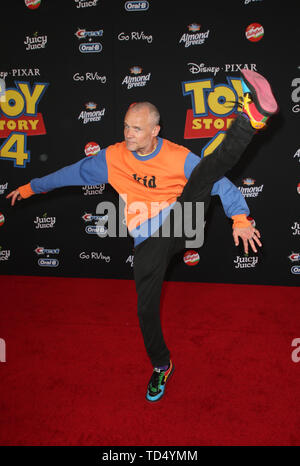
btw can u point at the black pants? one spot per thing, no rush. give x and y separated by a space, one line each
153 255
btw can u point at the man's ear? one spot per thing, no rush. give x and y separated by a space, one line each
156 130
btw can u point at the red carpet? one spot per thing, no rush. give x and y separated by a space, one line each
76 370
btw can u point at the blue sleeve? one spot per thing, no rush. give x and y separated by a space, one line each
91 170
231 197
190 162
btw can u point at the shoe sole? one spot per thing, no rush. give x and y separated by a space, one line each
261 92
156 401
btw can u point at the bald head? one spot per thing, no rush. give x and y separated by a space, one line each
141 127
153 111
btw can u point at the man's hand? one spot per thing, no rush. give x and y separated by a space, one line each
15 196
247 234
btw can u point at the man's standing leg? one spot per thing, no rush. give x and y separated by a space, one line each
151 260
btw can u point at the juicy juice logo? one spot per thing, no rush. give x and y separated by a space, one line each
19 118
214 109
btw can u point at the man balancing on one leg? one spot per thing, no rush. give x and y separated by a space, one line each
147 169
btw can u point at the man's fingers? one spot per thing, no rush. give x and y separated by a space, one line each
252 244
245 241
236 239
257 240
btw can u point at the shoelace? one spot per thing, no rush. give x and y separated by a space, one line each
241 102
156 379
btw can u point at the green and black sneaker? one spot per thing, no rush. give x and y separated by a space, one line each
157 384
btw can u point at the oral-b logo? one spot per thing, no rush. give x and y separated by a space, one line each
136 6
96 230
48 262
95 47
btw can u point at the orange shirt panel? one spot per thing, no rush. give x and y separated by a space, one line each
147 186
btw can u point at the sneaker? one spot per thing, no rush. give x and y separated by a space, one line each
259 102
157 384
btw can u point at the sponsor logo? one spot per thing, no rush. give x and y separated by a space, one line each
130 260
35 42
83 34
194 37
93 190
94 256
91 148
196 68
4 254
19 118
32 4
3 187
89 76
2 219
296 228
294 257
137 80
91 115
136 5
254 32
98 218
246 2
44 222
250 190
99 230
191 258
88 4
40 250
296 95
245 262
140 36
295 269
20 72
89 47
297 154
298 188
90 106
94 47
45 262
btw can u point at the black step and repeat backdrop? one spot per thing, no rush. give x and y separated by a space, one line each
69 69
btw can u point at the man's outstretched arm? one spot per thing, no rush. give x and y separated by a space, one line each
88 171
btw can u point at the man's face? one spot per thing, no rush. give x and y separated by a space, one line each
140 131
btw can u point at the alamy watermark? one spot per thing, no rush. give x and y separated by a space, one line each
156 219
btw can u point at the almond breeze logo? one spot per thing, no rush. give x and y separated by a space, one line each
136 6
136 79
91 114
250 190
194 37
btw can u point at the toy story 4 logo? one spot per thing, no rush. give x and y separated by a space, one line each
215 106
19 118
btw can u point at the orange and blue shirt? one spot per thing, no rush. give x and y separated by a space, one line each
148 184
